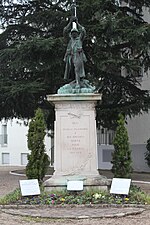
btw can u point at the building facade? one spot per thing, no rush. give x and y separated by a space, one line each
13 143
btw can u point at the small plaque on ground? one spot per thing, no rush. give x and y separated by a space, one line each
120 186
74 185
29 187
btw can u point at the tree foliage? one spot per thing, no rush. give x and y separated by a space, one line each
121 157
38 161
147 154
32 50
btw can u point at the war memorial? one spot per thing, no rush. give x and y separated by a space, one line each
75 138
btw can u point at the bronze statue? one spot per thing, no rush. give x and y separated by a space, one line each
75 56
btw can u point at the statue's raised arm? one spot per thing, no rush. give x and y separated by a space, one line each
81 30
67 29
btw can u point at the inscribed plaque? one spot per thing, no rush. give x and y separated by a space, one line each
75 185
120 186
29 187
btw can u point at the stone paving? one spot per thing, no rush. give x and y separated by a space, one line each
73 212
139 219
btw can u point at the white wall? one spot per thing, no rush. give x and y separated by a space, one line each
17 142
139 129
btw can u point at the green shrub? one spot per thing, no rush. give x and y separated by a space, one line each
38 160
147 154
121 157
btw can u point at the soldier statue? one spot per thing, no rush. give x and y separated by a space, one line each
74 57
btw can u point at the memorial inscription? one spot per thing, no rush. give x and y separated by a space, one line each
75 139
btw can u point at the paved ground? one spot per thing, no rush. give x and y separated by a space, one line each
8 182
83 215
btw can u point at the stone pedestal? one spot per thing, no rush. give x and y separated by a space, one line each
75 147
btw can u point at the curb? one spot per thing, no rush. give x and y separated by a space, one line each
73 211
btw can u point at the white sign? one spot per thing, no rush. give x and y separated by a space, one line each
29 187
120 186
75 185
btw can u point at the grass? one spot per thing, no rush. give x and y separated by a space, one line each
135 196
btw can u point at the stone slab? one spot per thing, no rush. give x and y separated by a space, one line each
73 97
89 182
73 212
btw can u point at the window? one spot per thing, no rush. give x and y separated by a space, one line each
24 159
5 159
4 134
